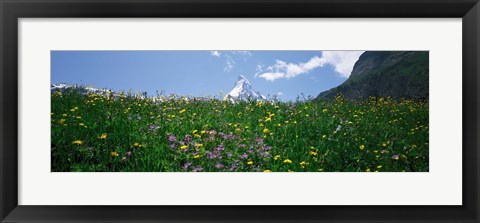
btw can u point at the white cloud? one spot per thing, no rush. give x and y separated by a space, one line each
342 61
243 52
215 53
229 63
279 93
231 57
271 76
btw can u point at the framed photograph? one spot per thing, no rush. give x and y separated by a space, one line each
260 111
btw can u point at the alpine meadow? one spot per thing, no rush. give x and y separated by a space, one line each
321 111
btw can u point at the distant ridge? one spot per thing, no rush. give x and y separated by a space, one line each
398 74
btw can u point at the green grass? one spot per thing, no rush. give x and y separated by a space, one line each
102 133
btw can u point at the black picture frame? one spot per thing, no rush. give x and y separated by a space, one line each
12 10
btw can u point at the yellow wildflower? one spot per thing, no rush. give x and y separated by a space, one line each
276 157
267 171
184 147
194 131
265 130
78 142
287 161
196 156
250 162
362 147
182 111
114 154
103 136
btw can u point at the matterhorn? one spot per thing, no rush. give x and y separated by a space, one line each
243 91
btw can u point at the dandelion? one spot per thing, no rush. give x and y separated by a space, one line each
287 161
77 142
362 147
114 154
103 136
395 157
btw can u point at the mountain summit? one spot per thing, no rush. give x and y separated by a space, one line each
243 91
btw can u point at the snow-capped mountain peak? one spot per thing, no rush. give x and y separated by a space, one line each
242 90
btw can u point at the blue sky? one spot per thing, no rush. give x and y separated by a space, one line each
286 74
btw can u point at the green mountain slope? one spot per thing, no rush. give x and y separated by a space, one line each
398 74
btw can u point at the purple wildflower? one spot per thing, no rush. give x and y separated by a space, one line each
154 127
139 118
233 167
188 138
244 156
129 118
172 138
187 165
129 153
395 157
197 169
210 154
219 165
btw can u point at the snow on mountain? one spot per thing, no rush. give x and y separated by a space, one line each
243 91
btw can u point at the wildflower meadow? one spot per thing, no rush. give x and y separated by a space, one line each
112 133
